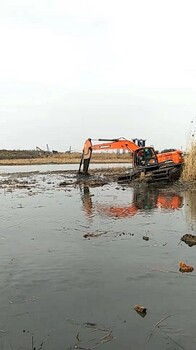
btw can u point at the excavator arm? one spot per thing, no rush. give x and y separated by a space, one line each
115 144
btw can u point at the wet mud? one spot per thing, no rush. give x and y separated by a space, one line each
95 264
189 239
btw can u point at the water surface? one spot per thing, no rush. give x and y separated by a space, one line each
61 291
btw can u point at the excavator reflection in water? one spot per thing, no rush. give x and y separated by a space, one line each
141 201
86 200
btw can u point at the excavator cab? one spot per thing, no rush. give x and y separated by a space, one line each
144 157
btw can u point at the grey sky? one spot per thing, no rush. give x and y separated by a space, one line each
96 68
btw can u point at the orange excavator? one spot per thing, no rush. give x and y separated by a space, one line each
146 162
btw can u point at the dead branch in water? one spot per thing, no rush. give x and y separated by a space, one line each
180 346
169 271
156 325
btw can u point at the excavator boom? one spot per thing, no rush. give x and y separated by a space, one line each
115 144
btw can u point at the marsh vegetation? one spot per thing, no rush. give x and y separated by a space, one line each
189 173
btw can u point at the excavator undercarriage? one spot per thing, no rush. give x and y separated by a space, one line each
162 173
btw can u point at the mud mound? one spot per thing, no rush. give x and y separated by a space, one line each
189 239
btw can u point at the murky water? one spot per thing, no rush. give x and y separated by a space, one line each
61 291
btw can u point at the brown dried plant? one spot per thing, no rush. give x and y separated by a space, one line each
189 172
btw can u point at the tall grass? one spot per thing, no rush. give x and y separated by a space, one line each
189 172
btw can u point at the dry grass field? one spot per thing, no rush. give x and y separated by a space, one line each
33 157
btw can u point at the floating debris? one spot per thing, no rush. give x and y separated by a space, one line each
146 238
184 267
93 235
101 336
141 310
63 183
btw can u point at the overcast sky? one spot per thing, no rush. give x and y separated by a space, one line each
73 69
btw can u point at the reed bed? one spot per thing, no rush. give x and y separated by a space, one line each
189 172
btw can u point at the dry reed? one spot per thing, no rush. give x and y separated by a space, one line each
189 172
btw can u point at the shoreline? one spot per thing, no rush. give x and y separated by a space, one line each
99 177
75 158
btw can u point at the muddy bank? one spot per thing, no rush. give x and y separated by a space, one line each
98 177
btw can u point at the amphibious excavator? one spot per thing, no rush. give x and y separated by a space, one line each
147 164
